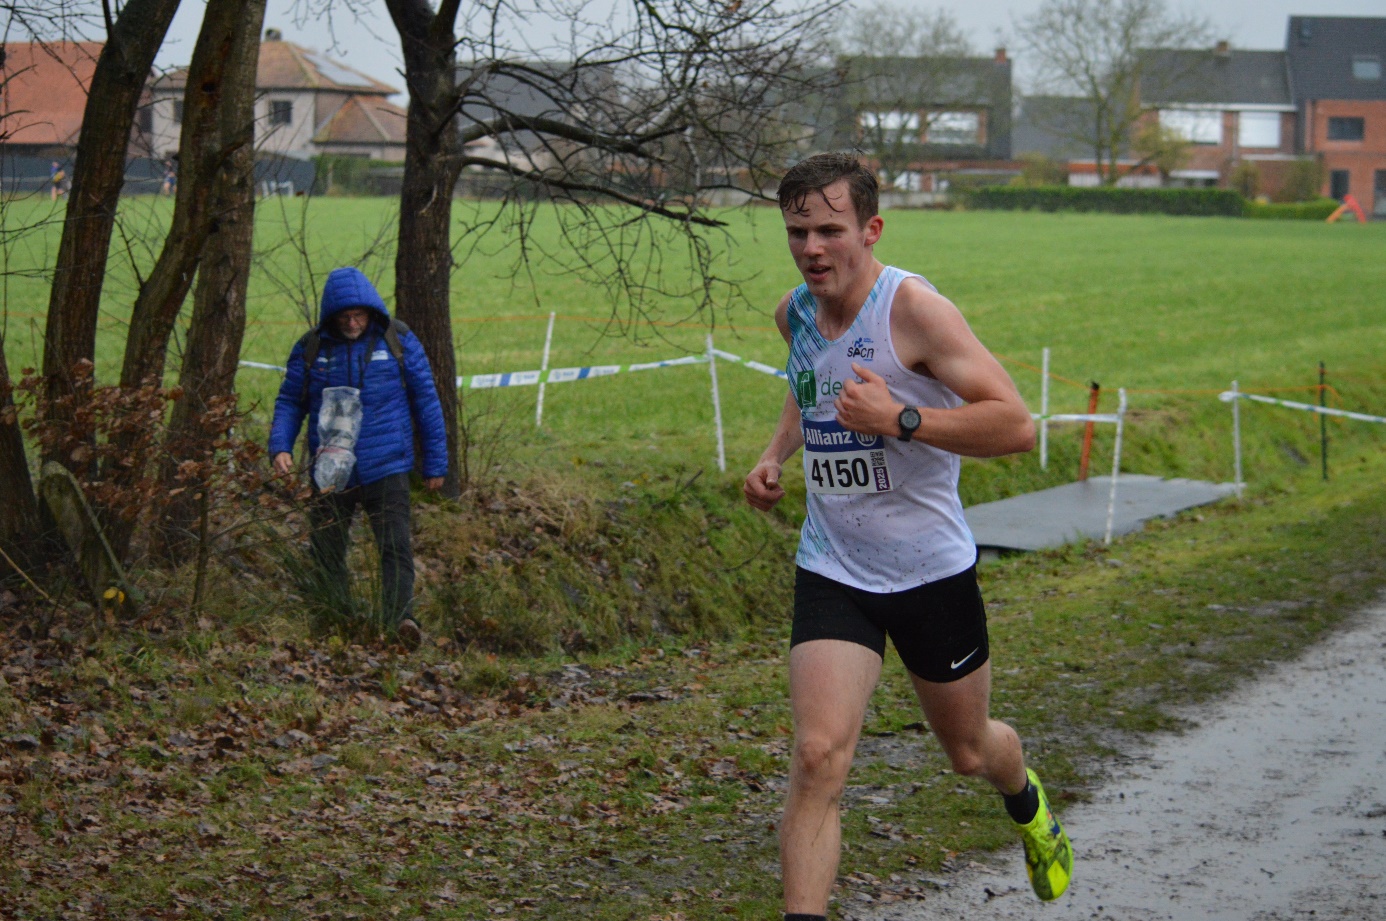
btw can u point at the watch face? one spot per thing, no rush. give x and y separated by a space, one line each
909 418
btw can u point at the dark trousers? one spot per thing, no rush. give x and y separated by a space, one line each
387 507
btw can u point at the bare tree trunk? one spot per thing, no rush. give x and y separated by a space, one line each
117 84
18 507
203 152
432 162
218 320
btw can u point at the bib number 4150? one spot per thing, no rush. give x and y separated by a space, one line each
839 472
847 473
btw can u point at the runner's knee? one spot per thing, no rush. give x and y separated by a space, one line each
822 762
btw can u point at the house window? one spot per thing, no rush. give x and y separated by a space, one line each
1366 67
178 111
281 112
1258 129
1346 129
144 119
1338 184
955 128
1195 126
891 127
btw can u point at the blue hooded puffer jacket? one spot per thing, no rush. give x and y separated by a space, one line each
389 413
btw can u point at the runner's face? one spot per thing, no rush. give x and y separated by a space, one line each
352 322
830 248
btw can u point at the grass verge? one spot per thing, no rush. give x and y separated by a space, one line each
227 773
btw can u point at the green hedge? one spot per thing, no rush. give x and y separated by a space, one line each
1202 202
1317 210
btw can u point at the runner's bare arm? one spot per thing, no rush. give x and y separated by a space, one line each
931 337
762 487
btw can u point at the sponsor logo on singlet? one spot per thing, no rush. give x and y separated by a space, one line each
830 436
861 348
806 389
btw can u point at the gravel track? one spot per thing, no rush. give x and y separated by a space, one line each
1272 808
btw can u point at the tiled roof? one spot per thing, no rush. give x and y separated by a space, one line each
1055 127
363 120
1321 51
45 91
929 81
1229 77
286 66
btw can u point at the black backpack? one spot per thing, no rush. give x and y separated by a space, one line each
312 342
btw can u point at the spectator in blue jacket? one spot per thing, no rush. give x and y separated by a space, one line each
355 347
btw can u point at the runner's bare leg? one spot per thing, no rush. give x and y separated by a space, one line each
976 744
830 682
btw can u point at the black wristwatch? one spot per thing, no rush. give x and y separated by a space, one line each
909 421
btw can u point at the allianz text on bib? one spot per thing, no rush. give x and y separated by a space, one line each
843 463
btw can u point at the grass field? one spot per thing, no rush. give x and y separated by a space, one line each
1173 309
614 741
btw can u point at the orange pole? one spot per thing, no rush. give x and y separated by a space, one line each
1094 390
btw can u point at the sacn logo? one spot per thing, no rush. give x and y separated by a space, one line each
862 349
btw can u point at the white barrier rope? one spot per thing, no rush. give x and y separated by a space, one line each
567 375
1228 396
1235 396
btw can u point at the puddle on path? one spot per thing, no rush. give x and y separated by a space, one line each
1273 808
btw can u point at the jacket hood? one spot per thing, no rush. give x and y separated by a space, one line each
347 288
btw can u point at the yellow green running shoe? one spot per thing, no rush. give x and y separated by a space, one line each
1048 853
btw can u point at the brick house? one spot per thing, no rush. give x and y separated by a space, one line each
1336 76
1234 106
307 105
923 118
43 93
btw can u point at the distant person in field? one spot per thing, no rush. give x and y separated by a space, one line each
170 185
357 345
888 386
57 179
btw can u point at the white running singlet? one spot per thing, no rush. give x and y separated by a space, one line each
883 514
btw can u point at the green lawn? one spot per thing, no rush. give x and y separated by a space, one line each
1152 304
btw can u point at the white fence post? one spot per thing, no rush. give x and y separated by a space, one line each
1237 438
543 373
1044 412
716 406
1116 464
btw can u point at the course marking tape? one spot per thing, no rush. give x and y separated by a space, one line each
672 362
1075 417
567 375
1228 396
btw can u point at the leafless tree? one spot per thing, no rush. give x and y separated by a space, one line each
1096 50
224 58
903 70
622 121
133 34
213 346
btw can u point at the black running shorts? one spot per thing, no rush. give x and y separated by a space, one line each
939 629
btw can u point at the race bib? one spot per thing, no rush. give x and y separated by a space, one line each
839 462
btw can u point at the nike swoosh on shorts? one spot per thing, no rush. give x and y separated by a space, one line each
958 664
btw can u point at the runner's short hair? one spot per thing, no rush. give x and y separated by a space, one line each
820 171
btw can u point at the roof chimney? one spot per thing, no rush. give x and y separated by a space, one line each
1222 49
1001 55
273 35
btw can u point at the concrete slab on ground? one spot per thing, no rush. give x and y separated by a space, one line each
1064 514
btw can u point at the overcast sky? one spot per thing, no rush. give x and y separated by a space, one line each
371 45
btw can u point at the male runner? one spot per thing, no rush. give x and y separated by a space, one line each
888 386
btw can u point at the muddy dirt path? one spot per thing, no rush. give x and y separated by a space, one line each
1272 808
